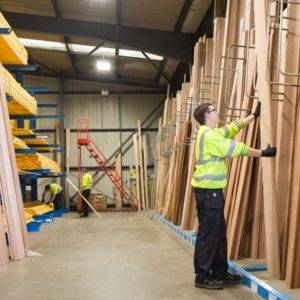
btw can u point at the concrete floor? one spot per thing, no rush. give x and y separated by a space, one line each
121 256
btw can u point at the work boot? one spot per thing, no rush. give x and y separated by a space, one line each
210 284
228 278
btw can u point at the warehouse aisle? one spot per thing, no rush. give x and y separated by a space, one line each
121 256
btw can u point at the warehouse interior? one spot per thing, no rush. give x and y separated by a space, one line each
107 90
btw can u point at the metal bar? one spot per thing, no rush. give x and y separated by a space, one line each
21 68
5 31
155 66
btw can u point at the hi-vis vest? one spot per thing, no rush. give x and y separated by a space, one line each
212 147
86 182
55 188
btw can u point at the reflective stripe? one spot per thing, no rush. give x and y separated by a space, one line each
212 159
211 177
201 147
231 148
226 131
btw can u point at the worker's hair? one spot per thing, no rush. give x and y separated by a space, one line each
200 111
47 187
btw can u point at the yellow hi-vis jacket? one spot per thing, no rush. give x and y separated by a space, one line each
55 188
86 182
212 147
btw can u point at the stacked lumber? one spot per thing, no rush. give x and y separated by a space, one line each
19 144
20 130
11 49
234 70
21 102
28 217
140 150
38 144
35 162
99 202
36 208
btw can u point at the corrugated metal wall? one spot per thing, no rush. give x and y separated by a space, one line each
102 111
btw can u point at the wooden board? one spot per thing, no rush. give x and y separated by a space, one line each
268 165
10 185
67 189
118 168
137 171
140 160
145 149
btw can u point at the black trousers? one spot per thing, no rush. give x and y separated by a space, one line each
210 258
58 200
85 206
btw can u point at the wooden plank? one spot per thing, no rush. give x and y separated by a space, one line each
219 26
178 173
3 245
268 167
229 38
67 189
10 185
291 112
145 148
118 168
140 159
137 171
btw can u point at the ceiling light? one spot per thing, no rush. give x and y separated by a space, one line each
103 65
40 44
105 51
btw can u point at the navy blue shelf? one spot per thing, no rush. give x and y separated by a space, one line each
25 151
32 117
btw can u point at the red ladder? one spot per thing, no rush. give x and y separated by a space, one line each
84 139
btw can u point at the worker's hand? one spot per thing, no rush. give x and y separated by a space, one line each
256 113
269 152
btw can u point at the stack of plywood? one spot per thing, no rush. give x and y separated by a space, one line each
11 49
20 130
19 144
35 143
28 216
35 208
36 161
21 102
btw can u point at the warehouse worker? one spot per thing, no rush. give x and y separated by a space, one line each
86 187
56 194
213 145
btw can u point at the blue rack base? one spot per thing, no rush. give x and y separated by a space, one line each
257 286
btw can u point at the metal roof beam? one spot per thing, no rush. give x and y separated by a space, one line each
84 77
164 43
183 14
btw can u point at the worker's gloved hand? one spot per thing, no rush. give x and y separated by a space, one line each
269 152
256 113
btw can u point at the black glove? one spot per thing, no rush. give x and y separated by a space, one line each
269 152
257 111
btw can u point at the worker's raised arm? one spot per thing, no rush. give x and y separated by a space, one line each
253 116
229 131
223 147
